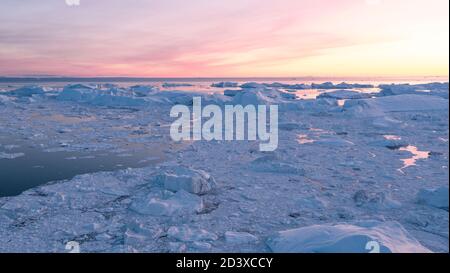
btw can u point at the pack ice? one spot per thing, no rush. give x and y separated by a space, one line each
346 177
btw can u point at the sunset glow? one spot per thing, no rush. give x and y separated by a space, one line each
207 38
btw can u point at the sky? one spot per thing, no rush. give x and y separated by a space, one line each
224 38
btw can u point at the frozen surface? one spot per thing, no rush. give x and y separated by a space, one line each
390 237
434 197
338 169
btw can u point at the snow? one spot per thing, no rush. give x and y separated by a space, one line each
348 238
434 197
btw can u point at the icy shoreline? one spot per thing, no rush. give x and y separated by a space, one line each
336 168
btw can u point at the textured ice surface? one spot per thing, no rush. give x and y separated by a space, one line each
435 89
434 197
347 172
388 237
400 103
182 178
27 91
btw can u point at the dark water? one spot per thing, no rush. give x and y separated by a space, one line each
38 167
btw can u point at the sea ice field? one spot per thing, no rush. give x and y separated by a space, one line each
95 164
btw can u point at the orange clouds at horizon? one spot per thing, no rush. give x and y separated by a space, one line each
246 38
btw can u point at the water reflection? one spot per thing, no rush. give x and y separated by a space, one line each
408 162
35 166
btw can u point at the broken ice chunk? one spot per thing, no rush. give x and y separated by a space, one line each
27 91
233 237
181 202
10 156
360 237
271 164
231 93
224 84
187 234
182 178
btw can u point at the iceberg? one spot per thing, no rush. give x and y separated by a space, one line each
114 97
171 85
360 237
182 178
344 94
231 93
400 103
434 89
252 85
225 84
27 91
187 234
143 90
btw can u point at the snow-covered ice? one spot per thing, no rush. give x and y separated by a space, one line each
336 182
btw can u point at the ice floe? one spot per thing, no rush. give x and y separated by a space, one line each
225 84
399 103
182 178
187 234
360 237
27 91
233 237
179 203
434 89
271 163
346 170
344 94
434 197
171 85
10 155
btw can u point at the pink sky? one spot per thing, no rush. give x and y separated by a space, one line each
225 38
